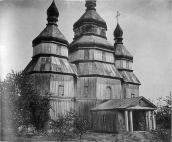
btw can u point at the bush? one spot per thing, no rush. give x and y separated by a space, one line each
26 105
69 126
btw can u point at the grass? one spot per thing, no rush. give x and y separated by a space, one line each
90 137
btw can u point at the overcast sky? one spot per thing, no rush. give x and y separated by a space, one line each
147 27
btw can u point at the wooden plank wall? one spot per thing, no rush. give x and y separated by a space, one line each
105 121
50 48
60 107
93 54
132 89
104 83
86 87
121 122
65 80
123 64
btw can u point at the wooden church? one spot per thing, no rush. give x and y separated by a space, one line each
89 75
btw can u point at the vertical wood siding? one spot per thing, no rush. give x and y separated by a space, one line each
123 64
132 89
64 80
91 54
105 121
60 107
86 87
50 48
104 83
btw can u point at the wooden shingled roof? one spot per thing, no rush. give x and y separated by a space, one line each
98 68
91 40
128 103
129 77
50 33
90 16
122 52
51 64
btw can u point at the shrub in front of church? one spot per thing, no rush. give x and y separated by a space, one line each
26 106
69 126
163 119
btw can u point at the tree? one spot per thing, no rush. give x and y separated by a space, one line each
26 104
69 125
80 125
163 119
163 115
63 126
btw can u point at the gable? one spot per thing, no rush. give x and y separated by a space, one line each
128 103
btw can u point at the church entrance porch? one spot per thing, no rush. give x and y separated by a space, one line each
139 120
130 114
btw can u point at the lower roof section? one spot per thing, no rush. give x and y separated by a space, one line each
135 103
98 69
50 64
129 77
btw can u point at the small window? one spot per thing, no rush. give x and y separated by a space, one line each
108 92
61 90
132 95
86 54
103 56
86 90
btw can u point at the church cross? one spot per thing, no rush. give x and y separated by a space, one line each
117 16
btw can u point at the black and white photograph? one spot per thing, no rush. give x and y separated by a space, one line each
86 70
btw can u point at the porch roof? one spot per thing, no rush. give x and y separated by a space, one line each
137 103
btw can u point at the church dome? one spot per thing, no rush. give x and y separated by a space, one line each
90 16
118 31
52 12
51 32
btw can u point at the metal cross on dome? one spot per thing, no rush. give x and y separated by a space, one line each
117 16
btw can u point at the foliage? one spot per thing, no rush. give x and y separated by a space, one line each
26 105
69 125
163 119
160 134
80 125
163 115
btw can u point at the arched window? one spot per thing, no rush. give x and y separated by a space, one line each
108 92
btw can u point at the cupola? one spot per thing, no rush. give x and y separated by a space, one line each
52 13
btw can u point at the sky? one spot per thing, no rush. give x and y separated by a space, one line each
146 24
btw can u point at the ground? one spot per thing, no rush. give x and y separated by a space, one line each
92 137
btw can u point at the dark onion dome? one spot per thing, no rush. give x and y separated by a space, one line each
118 33
120 51
52 13
51 32
90 16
